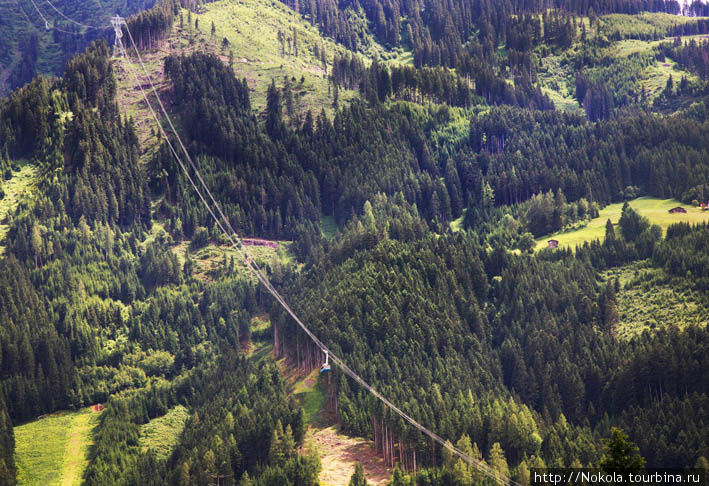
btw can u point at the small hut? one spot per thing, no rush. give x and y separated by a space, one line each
553 244
677 210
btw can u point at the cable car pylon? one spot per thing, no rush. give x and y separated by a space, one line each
118 22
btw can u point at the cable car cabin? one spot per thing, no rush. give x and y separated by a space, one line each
46 25
326 365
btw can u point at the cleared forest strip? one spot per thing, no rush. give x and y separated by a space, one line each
338 452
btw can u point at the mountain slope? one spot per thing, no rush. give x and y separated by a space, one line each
28 48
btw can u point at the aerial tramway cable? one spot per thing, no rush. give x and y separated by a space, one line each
223 223
90 27
46 21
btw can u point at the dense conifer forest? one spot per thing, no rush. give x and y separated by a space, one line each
439 175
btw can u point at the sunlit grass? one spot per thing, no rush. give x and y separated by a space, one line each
251 28
649 300
21 185
328 226
656 210
162 434
53 450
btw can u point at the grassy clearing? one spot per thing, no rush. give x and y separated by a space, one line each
403 56
656 210
649 300
644 24
259 347
308 390
259 324
251 27
260 351
209 261
563 102
130 98
452 129
628 47
162 434
556 78
658 73
54 449
338 454
328 226
22 184
457 224
310 394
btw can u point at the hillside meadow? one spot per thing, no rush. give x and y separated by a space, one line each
656 210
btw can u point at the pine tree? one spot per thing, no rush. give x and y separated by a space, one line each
620 454
497 461
274 117
358 478
610 232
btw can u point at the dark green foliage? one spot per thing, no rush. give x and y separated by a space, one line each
159 266
621 455
242 421
684 253
237 418
358 478
447 34
372 308
402 82
521 150
279 185
80 138
511 355
150 27
36 368
7 448
33 50
692 56
545 337
669 430
632 224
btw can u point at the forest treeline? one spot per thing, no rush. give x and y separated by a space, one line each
692 56
27 47
522 152
91 308
440 324
511 356
242 426
307 165
440 34
379 83
277 183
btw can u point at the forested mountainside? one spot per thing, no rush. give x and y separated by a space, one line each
29 45
117 287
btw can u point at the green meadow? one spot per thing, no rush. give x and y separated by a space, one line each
53 450
656 210
162 434
20 185
649 300
251 28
